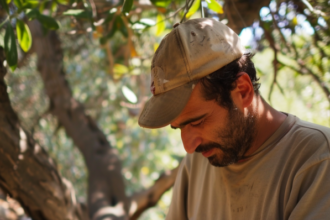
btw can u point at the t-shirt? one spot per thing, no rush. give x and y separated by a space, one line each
287 178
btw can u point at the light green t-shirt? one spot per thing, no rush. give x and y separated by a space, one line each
288 178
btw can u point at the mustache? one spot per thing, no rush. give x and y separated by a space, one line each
206 147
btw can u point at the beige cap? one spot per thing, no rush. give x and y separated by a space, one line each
192 50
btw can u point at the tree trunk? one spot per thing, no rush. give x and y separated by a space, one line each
106 190
27 173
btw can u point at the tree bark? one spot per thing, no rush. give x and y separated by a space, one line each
27 173
106 190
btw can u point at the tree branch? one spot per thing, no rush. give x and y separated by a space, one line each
106 188
306 71
246 12
271 41
143 200
279 31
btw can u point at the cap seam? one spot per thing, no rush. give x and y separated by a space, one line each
178 36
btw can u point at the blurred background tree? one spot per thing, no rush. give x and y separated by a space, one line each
79 76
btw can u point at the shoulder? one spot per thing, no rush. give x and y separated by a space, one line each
304 132
313 128
309 144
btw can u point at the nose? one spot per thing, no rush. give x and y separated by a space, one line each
191 139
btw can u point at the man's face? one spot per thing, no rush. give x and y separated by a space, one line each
221 135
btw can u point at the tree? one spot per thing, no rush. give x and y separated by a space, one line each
121 28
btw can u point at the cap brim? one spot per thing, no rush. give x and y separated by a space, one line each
162 109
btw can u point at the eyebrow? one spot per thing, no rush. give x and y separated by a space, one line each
189 121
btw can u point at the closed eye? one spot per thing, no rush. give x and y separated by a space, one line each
197 124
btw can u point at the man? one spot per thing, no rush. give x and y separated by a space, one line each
245 159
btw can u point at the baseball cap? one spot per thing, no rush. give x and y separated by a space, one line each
191 51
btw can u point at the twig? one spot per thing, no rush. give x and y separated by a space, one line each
94 11
172 15
312 9
110 58
2 23
239 14
148 198
316 37
129 39
202 9
280 32
188 5
316 78
131 106
271 41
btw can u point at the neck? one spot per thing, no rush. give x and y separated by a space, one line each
268 121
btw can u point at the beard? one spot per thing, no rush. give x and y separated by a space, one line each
236 139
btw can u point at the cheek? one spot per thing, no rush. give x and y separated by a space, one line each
218 120
212 129
210 126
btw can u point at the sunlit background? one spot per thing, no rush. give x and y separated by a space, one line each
115 98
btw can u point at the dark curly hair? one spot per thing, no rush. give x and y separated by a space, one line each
218 85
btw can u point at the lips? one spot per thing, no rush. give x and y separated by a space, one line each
208 152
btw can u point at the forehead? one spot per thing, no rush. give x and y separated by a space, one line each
196 106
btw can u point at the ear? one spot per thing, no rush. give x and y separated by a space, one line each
243 94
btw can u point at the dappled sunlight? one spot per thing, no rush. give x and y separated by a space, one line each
103 56
23 141
109 212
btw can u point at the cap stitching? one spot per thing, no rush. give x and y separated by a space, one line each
183 52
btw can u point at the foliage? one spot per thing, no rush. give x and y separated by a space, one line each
116 18
108 50
32 9
298 35
145 153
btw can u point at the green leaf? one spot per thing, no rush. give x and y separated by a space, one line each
32 13
214 6
8 1
23 35
62 2
120 25
161 3
127 6
119 69
10 47
53 7
4 22
109 17
104 39
147 21
193 8
18 3
48 22
160 24
295 21
129 94
30 4
4 5
79 13
73 12
43 5
33 2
